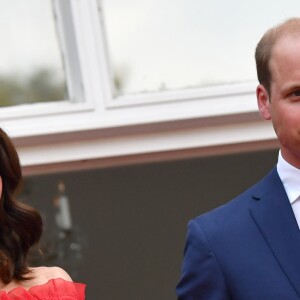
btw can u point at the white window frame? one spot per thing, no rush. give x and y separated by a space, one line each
95 126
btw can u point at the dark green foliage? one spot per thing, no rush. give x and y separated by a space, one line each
41 86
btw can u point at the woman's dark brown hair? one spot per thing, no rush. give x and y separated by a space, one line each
20 224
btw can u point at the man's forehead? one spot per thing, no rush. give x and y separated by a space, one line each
285 39
284 63
287 46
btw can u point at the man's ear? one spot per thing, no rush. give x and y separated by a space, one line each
263 102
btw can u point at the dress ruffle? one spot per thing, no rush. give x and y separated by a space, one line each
54 289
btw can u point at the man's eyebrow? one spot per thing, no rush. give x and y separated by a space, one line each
291 86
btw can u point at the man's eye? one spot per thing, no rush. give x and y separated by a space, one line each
296 93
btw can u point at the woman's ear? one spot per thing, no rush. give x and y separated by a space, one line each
263 102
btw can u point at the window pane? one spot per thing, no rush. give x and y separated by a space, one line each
31 67
157 45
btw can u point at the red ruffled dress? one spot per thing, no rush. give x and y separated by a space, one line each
54 289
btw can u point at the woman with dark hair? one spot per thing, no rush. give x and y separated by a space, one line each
20 229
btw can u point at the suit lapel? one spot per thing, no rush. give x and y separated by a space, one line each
274 217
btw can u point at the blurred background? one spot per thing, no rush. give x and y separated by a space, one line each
131 118
129 223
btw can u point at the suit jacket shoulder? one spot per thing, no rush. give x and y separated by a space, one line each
246 249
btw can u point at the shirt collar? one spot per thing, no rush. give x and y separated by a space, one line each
290 177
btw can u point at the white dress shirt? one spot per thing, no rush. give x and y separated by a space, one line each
290 177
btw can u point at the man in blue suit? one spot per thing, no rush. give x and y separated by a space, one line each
249 249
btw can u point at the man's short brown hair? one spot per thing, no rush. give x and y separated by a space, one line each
265 46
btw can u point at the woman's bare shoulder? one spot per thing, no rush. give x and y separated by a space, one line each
38 276
48 273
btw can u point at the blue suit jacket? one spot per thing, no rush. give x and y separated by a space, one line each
248 249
